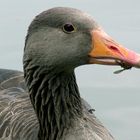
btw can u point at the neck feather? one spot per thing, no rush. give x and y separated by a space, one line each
56 100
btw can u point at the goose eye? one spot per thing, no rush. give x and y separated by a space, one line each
68 28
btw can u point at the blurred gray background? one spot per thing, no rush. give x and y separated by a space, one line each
116 98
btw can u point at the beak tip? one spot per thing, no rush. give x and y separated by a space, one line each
136 61
137 64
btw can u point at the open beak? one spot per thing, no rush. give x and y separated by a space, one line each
106 51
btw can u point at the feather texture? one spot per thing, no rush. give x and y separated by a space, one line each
18 120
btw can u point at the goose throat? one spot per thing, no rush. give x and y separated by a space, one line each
56 100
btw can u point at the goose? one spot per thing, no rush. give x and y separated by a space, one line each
44 102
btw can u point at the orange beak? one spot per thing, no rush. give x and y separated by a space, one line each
107 52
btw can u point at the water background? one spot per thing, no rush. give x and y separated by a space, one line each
116 98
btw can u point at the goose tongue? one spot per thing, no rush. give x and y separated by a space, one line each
106 51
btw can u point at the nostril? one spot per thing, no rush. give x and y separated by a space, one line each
113 48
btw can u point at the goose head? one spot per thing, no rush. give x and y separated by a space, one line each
65 38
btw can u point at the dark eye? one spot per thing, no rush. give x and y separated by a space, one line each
68 28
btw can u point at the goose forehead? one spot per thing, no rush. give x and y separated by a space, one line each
56 17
